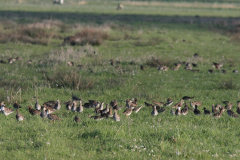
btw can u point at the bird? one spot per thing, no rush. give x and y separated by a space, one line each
154 112
178 111
57 105
224 71
217 65
235 71
218 114
96 117
75 98
19 116
108 114
116 117
49 108
33 111
187 98
80 107
16 105
5 110
230 112
69 105
76 119
184 111
195 55
11 60
52 117
74 106
37 105
113 103
106 110
196 111
158 103
19 58
169 102
210 71
238 109
43 113
178 104
194 64
128 111
70 63
193 104
137 109
206 112
29 62
117 107
142 67
226 102
148 104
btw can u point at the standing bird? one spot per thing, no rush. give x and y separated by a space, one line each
154 112
218 114
206 112
196 111
57 105
76 119
37 105
16 105
19 116
6 111
43 113
116 117
80 107
184 111
230 112
33 111
52 117
74 106
128 111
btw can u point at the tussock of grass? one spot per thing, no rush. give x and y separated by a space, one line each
70 79
154 62
228 85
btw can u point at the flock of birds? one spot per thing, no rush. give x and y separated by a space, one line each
46 110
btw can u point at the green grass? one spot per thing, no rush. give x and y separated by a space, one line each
134 38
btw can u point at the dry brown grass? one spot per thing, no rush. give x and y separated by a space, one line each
70 79
154 62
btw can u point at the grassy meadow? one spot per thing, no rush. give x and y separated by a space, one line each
141 34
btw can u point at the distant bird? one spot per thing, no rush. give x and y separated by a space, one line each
217 65
113 103
196 111
206 112
235 71
16 105
75 98
169 102
29 62
224 71
96 117
6 111
19 116
76 119
238 109
154 112
116 117
37 105
178 111
210 71
195 55
187 98
2 61
164 68
19 58
179 104
158 103
33 111
214 110
194 64
225 102
11 60
70 63
142 67
69 105
106 110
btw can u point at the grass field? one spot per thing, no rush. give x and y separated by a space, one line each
136 35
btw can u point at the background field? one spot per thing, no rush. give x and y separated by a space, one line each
142 32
